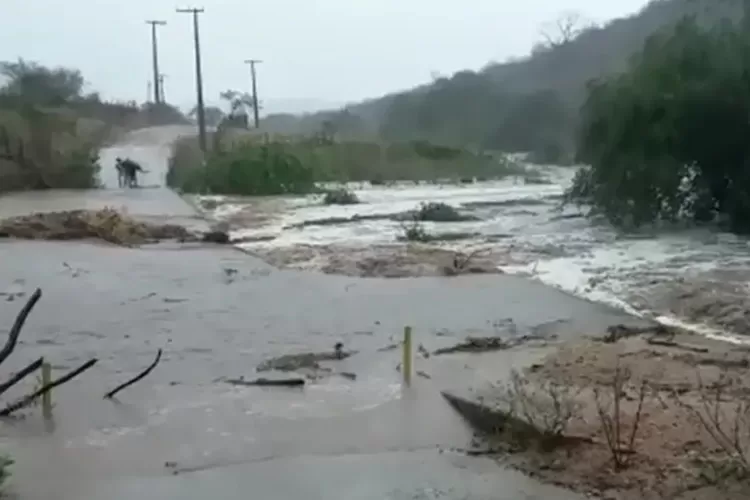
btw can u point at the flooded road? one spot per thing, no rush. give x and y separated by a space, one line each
218 313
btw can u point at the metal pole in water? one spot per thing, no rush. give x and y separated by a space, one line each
406 364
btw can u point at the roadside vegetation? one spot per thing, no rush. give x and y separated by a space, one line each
252 165
51 129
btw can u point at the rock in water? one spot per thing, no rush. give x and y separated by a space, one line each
220 237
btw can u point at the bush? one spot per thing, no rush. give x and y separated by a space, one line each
246 169
415 231
439 212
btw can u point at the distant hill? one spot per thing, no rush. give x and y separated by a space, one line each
527 104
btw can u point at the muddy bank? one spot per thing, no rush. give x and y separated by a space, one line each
661 414
384 261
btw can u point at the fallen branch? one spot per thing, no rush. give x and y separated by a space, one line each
264 382
21 375
28 400
135 379
15 330
675 345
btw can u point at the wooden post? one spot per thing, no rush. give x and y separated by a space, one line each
47 396
406 364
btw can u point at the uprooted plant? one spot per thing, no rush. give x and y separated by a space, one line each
544 407
613 416
726 420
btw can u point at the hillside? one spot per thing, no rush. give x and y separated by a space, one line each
527 104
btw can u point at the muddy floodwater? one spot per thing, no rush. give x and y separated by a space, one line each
522 229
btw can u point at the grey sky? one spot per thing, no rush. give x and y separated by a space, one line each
315 52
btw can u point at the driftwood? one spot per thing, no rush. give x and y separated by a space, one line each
21 375
15 330
675 345
135 379
28 400
264 382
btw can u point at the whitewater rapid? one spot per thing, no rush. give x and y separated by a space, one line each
522 225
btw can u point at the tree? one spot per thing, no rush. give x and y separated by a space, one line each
41 85
667 140
239 102
564 29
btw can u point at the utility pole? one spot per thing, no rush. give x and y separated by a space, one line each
155 51
198 76
252 63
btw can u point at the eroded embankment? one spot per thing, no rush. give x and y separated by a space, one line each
646 413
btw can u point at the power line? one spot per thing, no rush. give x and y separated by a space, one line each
252 63
155 51
198 76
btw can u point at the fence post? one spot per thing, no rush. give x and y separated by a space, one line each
47 396
406 364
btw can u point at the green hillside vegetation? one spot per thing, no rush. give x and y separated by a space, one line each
667 140
529 104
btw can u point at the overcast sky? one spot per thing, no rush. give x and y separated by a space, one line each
315 52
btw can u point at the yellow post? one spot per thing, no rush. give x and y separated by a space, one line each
406 365
47 396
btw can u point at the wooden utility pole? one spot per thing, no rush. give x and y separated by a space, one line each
252 63
198 76
163 93
155 55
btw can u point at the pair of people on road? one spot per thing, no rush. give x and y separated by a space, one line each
127 171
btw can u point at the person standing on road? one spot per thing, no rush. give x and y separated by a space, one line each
130 170
121 174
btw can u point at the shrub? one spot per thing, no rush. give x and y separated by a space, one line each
244 170
340 197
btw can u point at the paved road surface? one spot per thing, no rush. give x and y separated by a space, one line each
363 439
